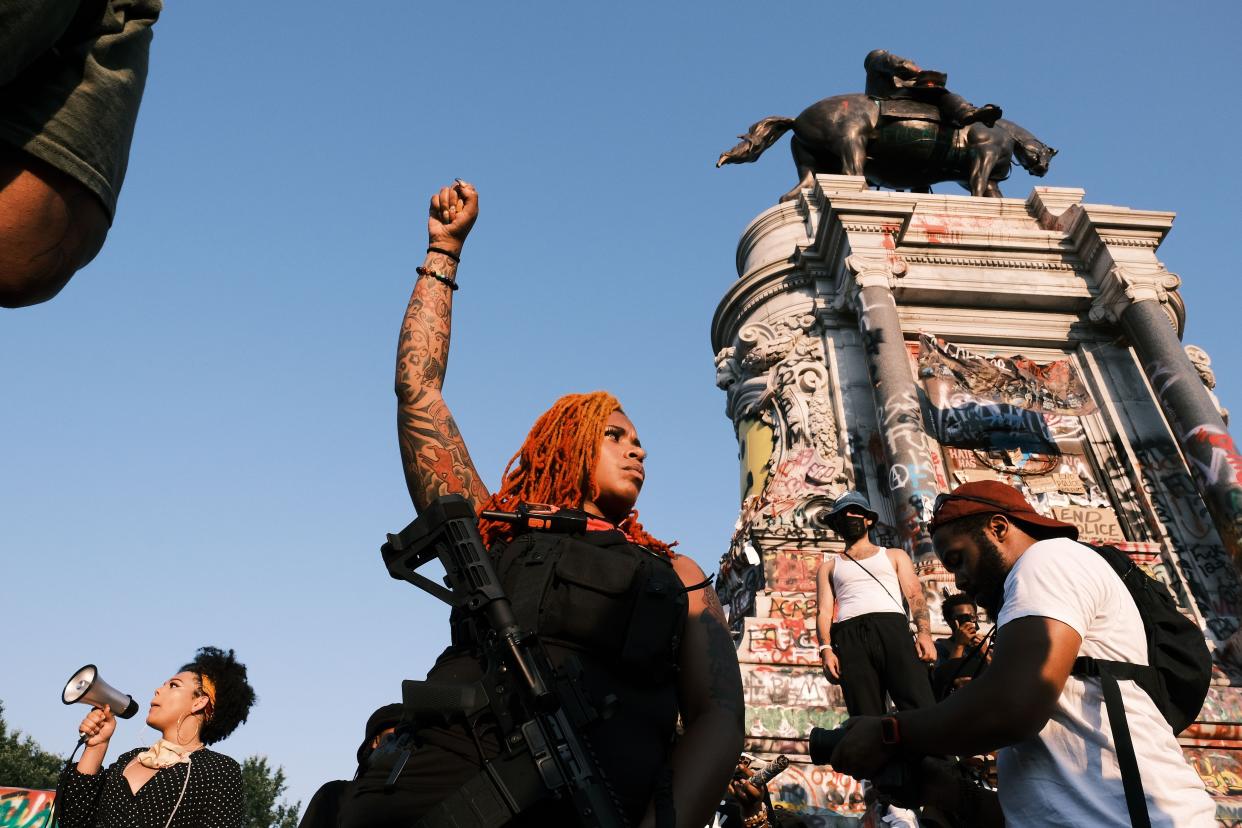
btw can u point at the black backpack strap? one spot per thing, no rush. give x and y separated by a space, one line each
1108 672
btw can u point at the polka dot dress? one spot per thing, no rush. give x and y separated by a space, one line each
213 798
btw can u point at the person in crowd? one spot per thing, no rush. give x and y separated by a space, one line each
1053 599
964 654
72 75
643 669
864 635
323 811
177 782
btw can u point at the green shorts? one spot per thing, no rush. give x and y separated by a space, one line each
71 78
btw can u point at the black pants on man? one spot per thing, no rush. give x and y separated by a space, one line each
876 656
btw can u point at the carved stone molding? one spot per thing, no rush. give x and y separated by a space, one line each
864 270
753 292
777 372
1142 243
762 344
875 270
987 262
870 227
1203 366
1129 283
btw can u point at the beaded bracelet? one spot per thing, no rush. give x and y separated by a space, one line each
456 259
422 271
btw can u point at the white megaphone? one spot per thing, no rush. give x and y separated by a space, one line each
86 687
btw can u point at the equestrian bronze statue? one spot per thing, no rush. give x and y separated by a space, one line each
907 132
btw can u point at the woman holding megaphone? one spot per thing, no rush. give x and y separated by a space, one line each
176 782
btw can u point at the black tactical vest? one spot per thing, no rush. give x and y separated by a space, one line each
597 595
620 610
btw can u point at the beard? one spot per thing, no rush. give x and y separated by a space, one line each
989 583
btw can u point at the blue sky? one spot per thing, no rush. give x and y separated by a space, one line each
199 432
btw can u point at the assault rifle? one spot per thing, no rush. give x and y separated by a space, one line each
540 710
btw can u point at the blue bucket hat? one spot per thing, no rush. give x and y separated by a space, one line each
855 499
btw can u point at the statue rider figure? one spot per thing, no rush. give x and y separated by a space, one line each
890 76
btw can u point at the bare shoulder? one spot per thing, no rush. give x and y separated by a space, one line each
691 573
824 573
703 598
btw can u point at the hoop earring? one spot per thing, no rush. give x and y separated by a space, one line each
181 721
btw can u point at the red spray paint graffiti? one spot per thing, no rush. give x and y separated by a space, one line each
778 641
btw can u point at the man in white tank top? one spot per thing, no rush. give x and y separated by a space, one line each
864 634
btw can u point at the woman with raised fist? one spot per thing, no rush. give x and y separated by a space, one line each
641 622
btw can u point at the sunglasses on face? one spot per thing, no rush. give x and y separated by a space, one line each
962 619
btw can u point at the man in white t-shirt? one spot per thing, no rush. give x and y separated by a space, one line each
1053 599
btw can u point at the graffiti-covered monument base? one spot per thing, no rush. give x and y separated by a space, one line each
902 344
24 808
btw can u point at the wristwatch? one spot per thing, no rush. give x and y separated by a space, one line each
890 731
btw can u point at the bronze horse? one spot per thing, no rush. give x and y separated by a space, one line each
904 147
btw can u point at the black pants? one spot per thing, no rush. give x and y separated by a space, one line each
876 656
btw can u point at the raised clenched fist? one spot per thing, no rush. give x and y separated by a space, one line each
452 213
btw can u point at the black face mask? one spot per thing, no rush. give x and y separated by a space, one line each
852 528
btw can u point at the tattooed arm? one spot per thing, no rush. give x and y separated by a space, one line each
433 453
912 588
710 694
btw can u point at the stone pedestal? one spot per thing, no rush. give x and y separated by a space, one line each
901 344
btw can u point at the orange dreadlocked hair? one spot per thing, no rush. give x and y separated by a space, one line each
556 466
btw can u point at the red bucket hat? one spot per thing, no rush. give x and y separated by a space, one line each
993 497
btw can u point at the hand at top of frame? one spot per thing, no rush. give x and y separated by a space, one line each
452 213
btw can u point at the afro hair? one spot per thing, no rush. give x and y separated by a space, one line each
952 602
234 695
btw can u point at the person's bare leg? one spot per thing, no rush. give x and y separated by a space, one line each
50 227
